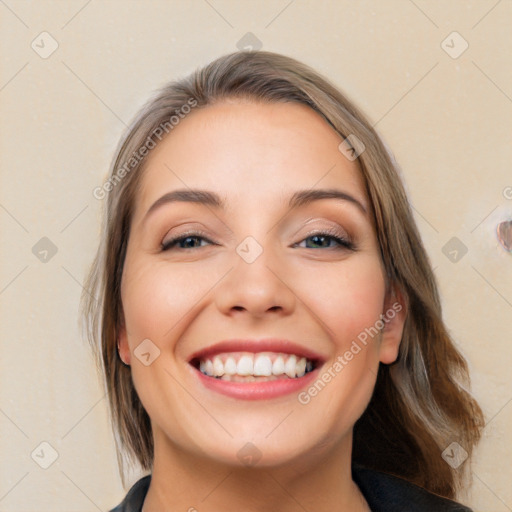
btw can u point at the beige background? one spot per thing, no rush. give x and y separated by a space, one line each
448 121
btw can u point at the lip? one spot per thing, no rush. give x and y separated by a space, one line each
263 345
257 390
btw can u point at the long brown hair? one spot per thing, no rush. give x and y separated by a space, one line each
420 403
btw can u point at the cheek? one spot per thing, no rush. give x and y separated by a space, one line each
347 298
155 299
156 305
349 310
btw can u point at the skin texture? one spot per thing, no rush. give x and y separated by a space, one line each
314 292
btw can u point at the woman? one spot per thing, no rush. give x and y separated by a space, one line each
263 309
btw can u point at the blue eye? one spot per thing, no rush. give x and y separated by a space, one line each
188 241
320 240
323 241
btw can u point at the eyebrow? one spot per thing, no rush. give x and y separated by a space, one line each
207 198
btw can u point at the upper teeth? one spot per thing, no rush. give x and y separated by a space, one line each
263 364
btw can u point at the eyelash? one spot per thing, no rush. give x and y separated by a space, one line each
343 242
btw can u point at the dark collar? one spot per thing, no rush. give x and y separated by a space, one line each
383 492
388 493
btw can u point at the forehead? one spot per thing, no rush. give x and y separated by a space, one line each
249 152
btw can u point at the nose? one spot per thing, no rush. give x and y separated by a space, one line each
257 289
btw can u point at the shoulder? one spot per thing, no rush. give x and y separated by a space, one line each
135 498
386 493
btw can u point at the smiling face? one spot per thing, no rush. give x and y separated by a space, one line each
251 228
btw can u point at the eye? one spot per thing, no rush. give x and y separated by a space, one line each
185 241
319 240
325 240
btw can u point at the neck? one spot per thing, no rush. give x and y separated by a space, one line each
182 481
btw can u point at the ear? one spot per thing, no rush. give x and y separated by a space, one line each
122 345
393 316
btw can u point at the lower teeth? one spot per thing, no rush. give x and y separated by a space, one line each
252 378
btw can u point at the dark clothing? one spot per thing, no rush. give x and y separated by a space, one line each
383 492
387 493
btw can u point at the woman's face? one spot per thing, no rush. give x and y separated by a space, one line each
276 270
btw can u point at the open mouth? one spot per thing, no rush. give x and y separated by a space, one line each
254 367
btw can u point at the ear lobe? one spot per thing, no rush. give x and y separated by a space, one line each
394 315
122 345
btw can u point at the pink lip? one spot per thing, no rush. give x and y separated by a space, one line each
257 390
264 345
